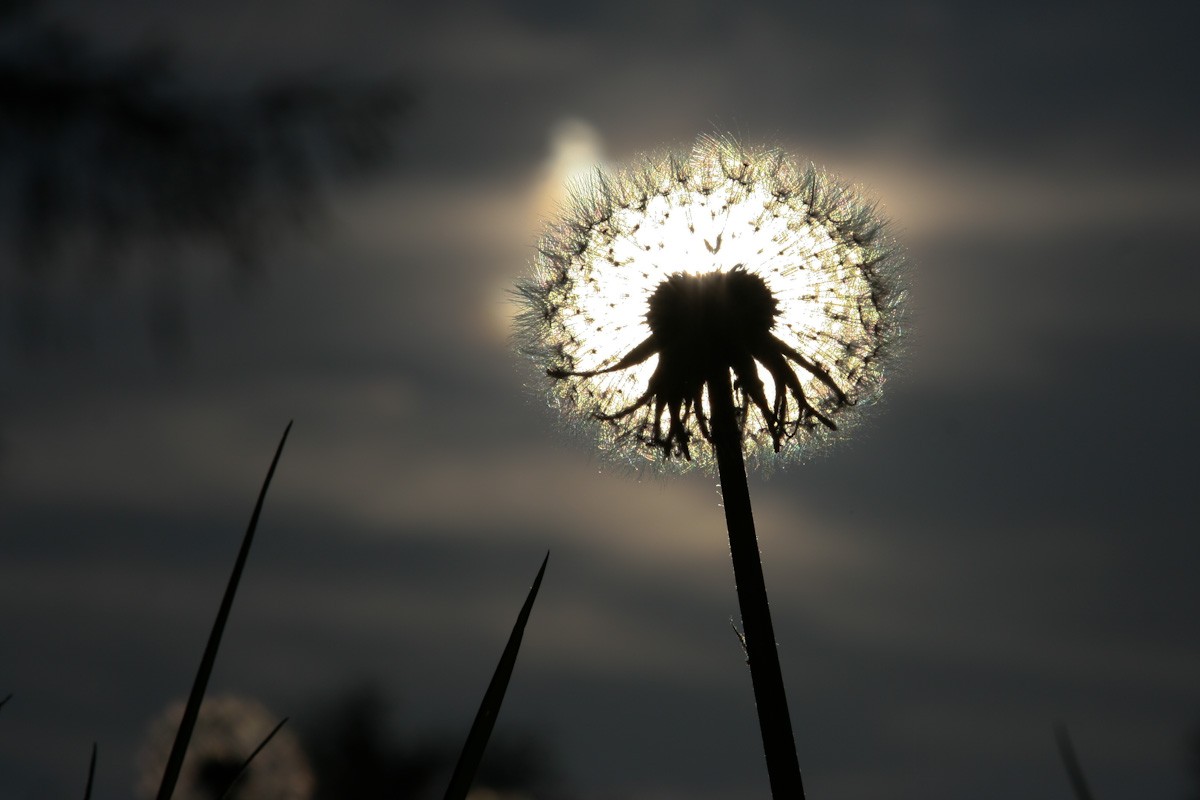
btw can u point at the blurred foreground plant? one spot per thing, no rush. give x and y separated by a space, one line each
726 296
203 748
227 732
122 165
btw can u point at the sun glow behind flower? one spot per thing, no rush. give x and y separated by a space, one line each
815 245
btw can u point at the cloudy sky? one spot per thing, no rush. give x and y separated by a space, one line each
1002 546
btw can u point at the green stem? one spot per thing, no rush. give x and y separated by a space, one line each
774 723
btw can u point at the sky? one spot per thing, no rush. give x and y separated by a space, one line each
1003 545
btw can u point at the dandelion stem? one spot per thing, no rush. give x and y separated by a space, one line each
774 722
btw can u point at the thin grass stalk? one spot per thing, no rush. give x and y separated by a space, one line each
191 711
87 790
1066 751
246 764
774 722
489 708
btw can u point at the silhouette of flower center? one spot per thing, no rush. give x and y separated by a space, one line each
705 322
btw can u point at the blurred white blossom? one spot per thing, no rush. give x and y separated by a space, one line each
227 732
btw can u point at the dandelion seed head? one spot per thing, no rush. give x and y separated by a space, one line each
626 308
227 731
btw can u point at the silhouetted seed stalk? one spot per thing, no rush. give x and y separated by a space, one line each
729 296
758 634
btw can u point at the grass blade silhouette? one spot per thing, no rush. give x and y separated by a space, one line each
5 700
87 790
246 764
485 718
1071 763
191 711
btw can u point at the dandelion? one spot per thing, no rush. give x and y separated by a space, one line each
227 732
717 307
727 259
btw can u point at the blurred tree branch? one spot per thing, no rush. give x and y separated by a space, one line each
101 154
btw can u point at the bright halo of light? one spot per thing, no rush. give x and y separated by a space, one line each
817 246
